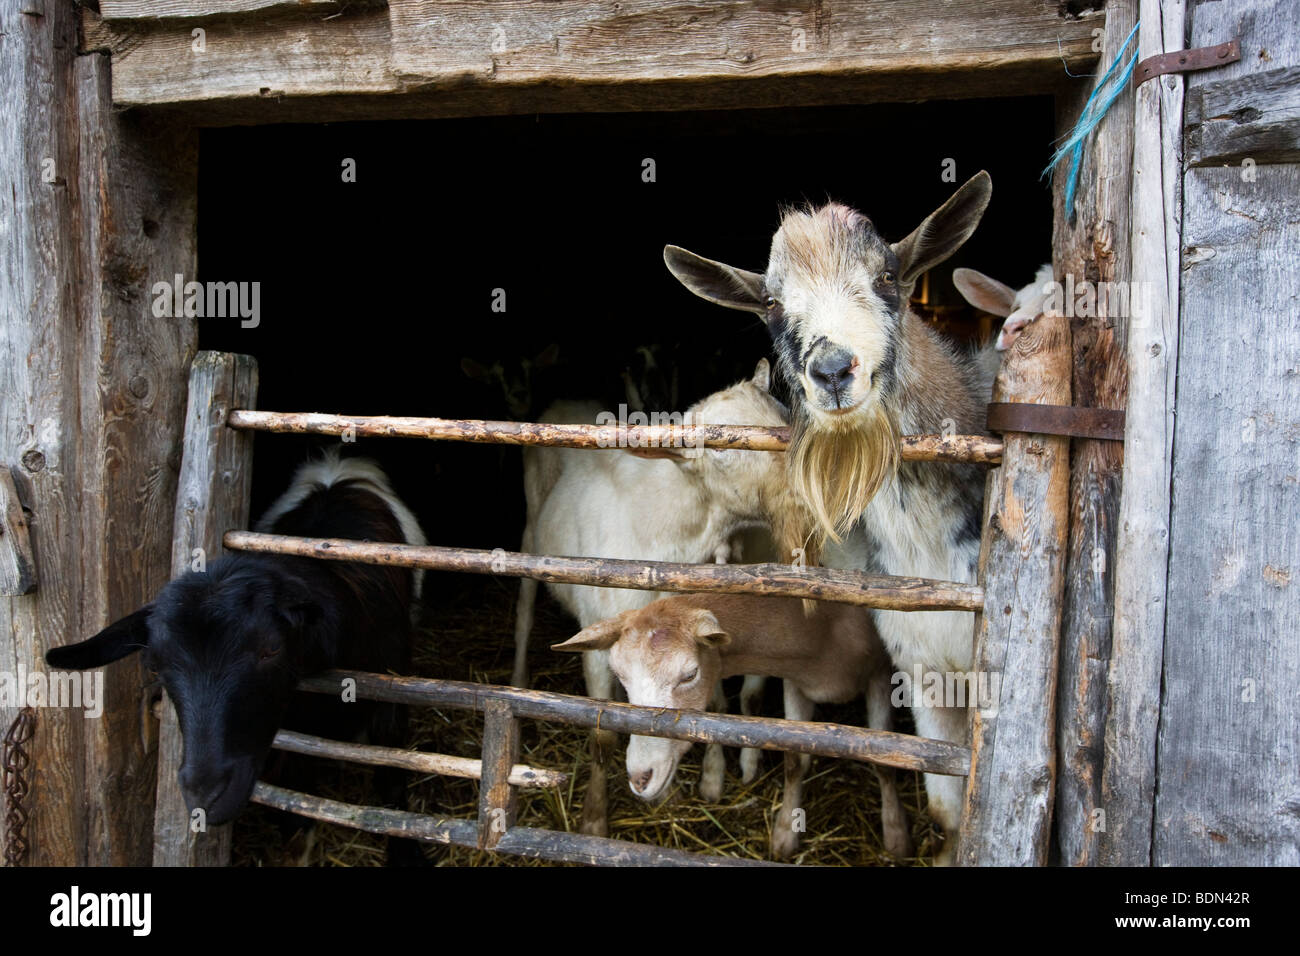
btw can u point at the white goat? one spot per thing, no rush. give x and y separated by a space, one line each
660 504
1018 308
670 653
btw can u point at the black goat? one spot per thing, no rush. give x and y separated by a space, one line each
230 643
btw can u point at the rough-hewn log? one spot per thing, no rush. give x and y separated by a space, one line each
201 9
1092 248
579 56
497 805
1142 541
827 740
216 474
1006 819
517 841
974 449
94 205
468 768
785 580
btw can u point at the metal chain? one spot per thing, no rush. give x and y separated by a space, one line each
15 762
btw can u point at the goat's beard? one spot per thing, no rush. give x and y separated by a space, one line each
838 470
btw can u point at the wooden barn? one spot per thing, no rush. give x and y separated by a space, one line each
415 190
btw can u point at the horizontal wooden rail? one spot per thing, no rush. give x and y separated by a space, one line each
516 841
774 580
468 768
793 736
973 449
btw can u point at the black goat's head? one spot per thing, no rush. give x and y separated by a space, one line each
229 645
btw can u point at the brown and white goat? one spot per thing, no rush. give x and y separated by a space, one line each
657 504
863 369
672 652
1017 308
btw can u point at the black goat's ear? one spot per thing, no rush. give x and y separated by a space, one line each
114 642
296 606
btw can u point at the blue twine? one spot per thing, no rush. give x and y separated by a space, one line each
1092 114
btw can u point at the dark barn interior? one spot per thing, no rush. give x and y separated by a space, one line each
373 292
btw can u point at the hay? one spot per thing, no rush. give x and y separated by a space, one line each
470 637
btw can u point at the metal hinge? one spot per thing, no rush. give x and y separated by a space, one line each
1185 61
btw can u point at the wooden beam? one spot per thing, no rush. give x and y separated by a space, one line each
521 775
201 9
1092 248
216 475
1007 813
518 841
1255 117
782 580
497 804
827 740
1142 541
576 56
970 449
17 560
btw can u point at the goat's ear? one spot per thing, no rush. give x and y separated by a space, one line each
944 230
984 292
296 605
672 454
762 375
122 637
475 370
708 632
600 636
717 282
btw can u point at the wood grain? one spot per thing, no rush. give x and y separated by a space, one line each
1142 541
1007 812
497 802
849 587
1092 247
216 475
17 560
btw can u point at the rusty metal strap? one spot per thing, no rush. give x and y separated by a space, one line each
1056 420
1185 61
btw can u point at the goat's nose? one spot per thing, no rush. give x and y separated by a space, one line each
832 370
640 780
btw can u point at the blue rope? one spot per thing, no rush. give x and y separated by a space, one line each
1097 106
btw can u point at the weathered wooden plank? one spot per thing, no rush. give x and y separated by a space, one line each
1007 811
1094 247
1255 117
343 67
216 475
196 9
976 449
1229 751
850 587
827 740
497 803
93 386
17 560
521 775
1142 541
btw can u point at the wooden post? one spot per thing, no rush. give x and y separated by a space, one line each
1142 543
1093 248
1008 807
216 475
496 798
97 206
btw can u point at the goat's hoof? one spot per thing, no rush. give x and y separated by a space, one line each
785 843
748 764
948 855
899 845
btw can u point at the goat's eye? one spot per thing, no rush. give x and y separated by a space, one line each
887 277
770 302
266 653
690 676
